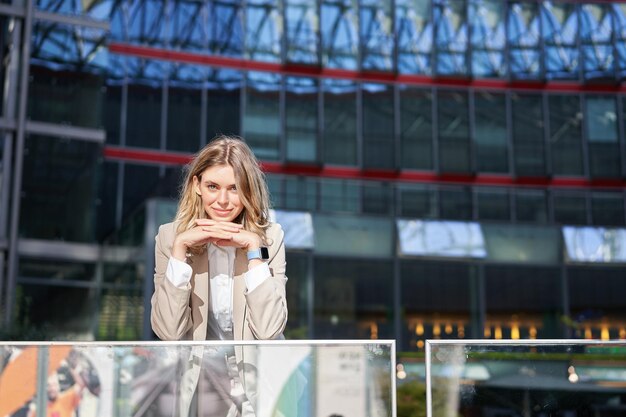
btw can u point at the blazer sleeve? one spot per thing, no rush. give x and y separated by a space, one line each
267 304
171 313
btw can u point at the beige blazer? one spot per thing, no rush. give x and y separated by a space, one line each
181 313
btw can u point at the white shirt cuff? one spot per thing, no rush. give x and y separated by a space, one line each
257 275
178 272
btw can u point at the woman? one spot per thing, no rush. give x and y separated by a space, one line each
220 266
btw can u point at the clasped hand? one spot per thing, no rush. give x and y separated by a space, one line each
219 233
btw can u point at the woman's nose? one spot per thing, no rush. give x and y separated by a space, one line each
222 197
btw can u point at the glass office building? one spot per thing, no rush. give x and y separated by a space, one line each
443 168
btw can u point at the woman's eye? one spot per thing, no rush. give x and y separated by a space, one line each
212 187
233 188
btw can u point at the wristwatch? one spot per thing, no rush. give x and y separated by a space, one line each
261 253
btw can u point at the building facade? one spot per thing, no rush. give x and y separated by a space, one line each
444 168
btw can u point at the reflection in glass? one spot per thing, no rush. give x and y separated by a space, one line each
301 118
93 9
377 38
453 130
416 128
490 132
619 33
263 30
560 37
378 126
350 235
339 122
596 31
488 38
261 120
340 34
524 39
226 28
528 135
59 189
146 22
451 41
440 238
414 31
302 31
601 122
522 244
595 244
189 25
565 134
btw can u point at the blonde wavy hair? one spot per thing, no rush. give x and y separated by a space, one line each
249 179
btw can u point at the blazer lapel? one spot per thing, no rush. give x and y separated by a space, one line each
239 288
200 297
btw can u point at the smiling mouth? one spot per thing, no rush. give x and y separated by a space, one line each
221 211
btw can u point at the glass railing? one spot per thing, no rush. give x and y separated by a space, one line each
262 379
525 378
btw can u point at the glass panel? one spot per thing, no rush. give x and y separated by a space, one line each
416 128
453 130
377 34
414 31
607 209
524 39
451 42
263 30
596 31
378 126
66 74
223 103
261 121
522 302
522 244
113 92
297 295
595 244
442 312
597 307
340 34
121 314
347 235
339 195
455 203
377 197
56 272
570 209
531 206
94 9
189 26
493 204
147 22
145 96
301 119
301 193
51 312
107 200
59 179
353 299
140 183
417 201
490 130
487 19
560 37
339 122
226 28
184 107
528 135
297 226
601 123
566 135
275 186
440 238
619 33
302 31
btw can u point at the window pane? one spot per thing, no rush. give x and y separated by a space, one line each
560 37
302 31
261 122
491 133
528 135
112 110
339 122
339 196
570 209
597 302
488 38
263 30
184 108
451 36
59 189
493 204
377 38
297 295
377 197
378 126
418 202
301 103
414 31
140 183
455 203
301 193
565 135
601 122
453 123
607 209
121 314
436 299
524 39
107 200
596 32
223 103
188 25
353 299
522 302
416 128
531 206
340 34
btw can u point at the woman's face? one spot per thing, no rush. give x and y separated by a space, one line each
218 190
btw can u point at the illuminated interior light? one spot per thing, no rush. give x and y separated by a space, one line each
419 329
588 334
497 332
515 331
487 332
420 344
437 330
532 332
622 333
604 333
448 328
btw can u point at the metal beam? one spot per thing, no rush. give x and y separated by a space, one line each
71 20
70 132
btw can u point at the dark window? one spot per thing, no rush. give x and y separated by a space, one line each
490 132
378 126
531 206
601 122
184 109
453 123
528 135
301 119
340 122
569 208
565 135
493 204
455 203
416 128
418 202
261 122
607 209
223 103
